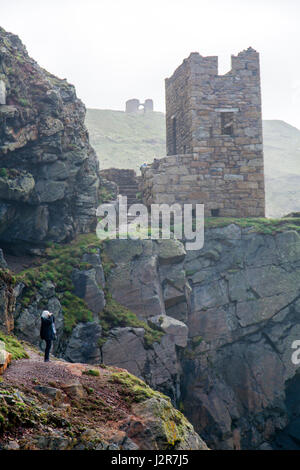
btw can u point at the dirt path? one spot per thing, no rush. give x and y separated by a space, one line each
92 403
34 369
27 373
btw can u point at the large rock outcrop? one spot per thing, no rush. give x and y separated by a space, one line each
240 299
49 180
213 329
74 407
7 301
148 278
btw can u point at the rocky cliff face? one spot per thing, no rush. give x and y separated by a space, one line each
243 320
212 329
63 406
49 178
91 326
7 297
239 298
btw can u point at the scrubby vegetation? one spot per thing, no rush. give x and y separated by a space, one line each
92 372
259 225
105 195
14 412
115 315
3 172
13 346
57 267
133 388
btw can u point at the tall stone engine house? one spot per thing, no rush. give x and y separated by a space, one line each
214 139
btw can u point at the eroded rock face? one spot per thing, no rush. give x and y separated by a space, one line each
239 298
28 319
86 287
158 364
83 345
148 278
111 410
243 320
135 282
176 329
7 299
228 315
49 180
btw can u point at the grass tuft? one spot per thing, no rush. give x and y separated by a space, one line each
13 346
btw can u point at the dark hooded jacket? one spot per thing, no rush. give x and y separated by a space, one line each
47 330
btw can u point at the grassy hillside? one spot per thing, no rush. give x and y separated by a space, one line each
282 167
127 140
282 149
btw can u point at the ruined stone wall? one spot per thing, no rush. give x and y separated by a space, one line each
181 106
214 139
135 106
120 176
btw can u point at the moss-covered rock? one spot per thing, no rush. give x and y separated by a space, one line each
95 409
47 162
168 428
13 346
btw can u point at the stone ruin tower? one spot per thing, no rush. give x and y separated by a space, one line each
214 139
135 106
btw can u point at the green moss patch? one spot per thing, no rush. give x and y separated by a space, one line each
259 225
116 315
57 266
92 372
16 412
133 388
196 341
13 346
105 195
175 425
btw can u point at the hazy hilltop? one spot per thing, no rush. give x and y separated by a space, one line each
282 148
282 167
124 140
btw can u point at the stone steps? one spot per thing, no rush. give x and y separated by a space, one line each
129 190
127 182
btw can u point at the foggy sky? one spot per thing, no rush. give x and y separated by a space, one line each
113 50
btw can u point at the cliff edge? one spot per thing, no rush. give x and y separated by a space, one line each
49 181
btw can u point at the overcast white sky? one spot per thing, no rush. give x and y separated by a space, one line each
113 50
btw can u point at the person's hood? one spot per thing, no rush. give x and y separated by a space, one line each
46 314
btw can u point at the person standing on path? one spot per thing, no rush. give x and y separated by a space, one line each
48 331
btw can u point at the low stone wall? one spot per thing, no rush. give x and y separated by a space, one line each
120 176
192 178
126 180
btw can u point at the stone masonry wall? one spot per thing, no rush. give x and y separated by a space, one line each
119 175
210 161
